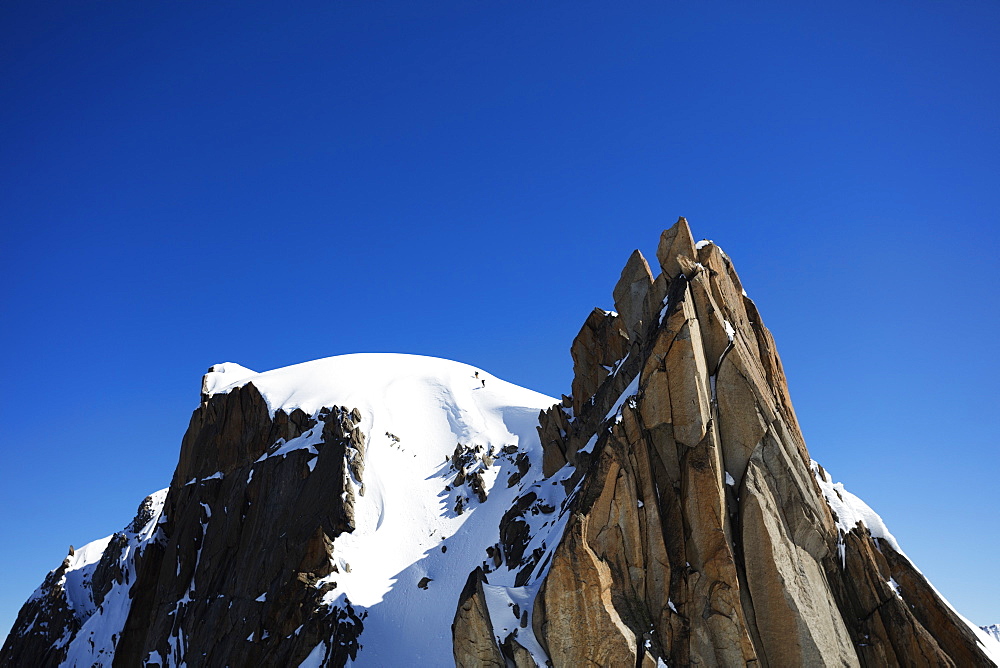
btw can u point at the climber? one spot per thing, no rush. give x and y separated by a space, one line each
484 382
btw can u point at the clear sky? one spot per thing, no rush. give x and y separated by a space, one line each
191 183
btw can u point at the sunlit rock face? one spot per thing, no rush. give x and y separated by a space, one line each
402 510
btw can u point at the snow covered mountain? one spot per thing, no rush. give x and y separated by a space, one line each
423 466
384 509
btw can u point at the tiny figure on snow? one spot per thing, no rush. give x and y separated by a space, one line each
484 382
477 374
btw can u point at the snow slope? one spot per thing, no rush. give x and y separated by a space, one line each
415 410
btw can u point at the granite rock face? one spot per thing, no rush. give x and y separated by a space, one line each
472 622
697 532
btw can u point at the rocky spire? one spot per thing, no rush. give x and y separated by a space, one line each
698 533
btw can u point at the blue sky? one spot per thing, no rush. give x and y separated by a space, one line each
185 184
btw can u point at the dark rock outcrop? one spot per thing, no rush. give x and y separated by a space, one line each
41 623
243 552
235 572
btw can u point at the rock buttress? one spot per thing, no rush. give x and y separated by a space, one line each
472 630
237 575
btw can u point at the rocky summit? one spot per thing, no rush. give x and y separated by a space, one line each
402 510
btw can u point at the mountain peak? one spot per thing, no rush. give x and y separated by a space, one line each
389 509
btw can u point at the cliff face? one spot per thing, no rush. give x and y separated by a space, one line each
245 540
393 510
698 531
